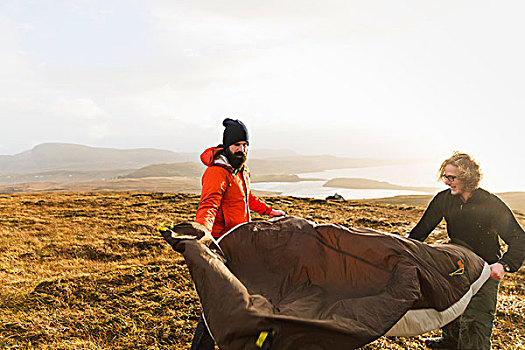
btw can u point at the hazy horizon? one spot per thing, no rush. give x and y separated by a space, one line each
418 172
415 79
267 152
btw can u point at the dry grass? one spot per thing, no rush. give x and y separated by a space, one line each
88 271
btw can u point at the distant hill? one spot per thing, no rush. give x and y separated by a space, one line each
64 162
65 156
188 169
358 183
282 169
515 200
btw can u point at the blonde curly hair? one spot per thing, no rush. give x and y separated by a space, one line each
469 171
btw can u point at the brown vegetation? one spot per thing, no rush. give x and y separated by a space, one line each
514 200
155 184
88 270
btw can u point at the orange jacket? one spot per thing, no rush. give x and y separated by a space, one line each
226 199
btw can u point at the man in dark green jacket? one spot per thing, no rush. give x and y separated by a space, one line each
475 219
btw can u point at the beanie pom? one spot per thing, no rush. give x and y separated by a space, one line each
227 121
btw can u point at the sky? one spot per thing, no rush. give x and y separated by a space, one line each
389 79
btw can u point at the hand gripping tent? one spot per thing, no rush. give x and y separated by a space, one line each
292 284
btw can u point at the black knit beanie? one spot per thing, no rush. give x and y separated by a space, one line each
235 131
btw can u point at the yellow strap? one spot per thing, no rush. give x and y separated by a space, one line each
262 337
459 271
162 226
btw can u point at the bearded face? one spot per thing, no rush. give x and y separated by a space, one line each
236 159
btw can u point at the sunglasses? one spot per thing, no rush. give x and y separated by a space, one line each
450 178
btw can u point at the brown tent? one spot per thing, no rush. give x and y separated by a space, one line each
311 286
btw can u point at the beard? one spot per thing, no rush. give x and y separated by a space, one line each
236 159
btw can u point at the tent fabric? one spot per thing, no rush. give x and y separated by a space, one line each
327 286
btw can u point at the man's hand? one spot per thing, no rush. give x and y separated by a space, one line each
275 213
497 271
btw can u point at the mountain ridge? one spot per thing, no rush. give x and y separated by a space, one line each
69 156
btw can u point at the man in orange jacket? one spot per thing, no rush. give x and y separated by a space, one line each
226 199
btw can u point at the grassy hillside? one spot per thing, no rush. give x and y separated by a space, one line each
88 270
515 200
62 176
156 184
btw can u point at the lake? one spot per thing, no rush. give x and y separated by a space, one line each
423 174
315 189
420 174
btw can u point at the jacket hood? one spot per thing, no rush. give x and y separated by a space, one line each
212 156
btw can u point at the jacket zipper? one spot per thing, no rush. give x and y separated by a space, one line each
246 196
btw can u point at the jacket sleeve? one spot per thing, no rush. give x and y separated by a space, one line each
257 205
431 218
215 181
511 232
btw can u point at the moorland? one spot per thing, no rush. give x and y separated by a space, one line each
87 270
